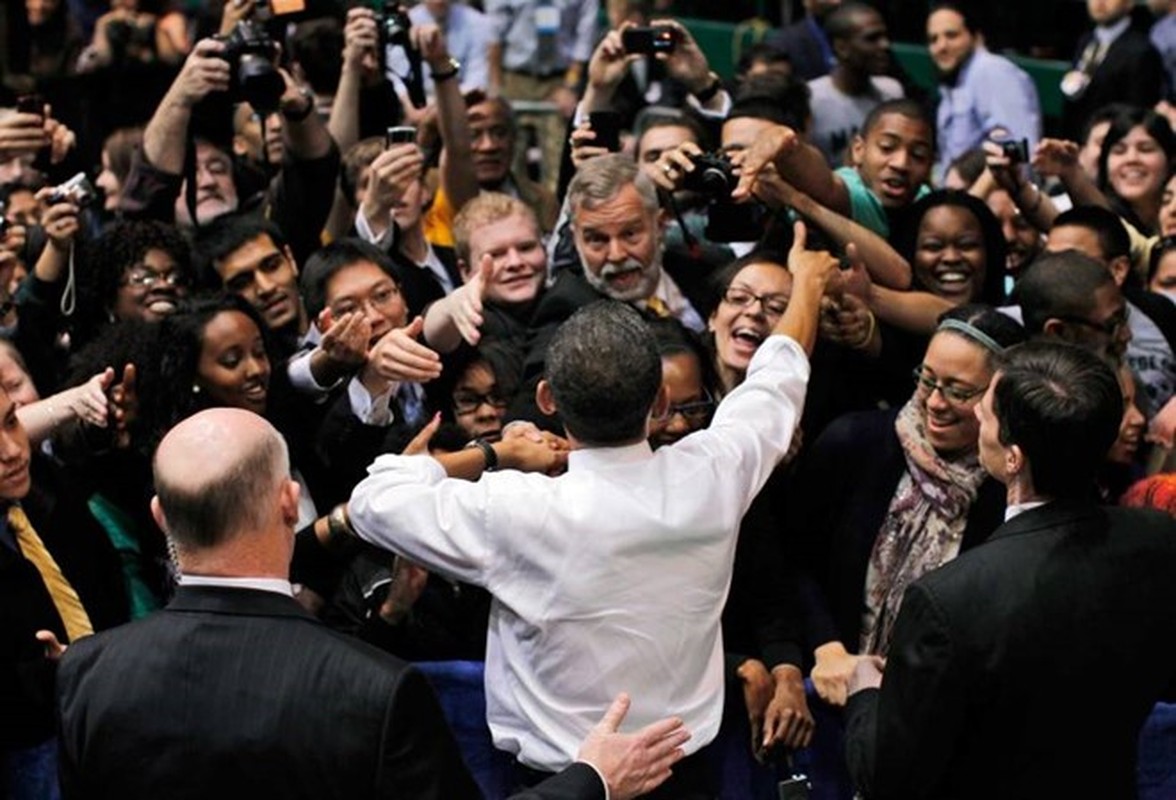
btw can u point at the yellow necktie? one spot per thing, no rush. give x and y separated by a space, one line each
65 598
658 307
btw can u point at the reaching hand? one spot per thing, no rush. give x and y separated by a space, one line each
867 673
419 444
466 301
399 357
757 693
787 720
408 581
633 763
345 340
124 407
803 262
532 450
832 672
1055 157
89 401
777 142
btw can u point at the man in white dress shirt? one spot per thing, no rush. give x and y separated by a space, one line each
613 574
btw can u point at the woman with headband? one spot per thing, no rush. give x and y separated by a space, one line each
886 496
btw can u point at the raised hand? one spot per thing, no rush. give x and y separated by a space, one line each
399 357
779 141
203 73
467 299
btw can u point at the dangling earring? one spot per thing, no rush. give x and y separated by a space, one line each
195 389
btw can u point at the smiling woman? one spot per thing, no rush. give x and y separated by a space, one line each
754 292
1135 164
885 496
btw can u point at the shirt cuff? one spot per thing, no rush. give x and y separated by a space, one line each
364 229
370 410
719 113
302 376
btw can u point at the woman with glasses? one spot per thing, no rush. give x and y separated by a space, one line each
884 496
689 379
135 270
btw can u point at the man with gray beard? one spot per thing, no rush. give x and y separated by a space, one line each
618 232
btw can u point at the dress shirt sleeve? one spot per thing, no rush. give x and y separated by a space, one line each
384 241
754 425
302 378
501 17
408 505
1007 98
585 38
369 409
475 65
900 737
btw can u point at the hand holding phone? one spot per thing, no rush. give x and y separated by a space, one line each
607 127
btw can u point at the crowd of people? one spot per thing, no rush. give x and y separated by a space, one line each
515 333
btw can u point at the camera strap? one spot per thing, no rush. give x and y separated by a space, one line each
190 175
69 294
692 245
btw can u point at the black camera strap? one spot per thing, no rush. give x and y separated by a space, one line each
692 245
190 174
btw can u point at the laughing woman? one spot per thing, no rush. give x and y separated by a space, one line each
885 496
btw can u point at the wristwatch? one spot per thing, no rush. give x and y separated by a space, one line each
453 66
488 453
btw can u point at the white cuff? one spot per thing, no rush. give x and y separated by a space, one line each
368 409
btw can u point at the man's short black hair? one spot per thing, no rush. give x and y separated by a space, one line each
1059 285
224 236
842 21
903 106
1113 238
969 13
333 258
774 97
1062 405
604 371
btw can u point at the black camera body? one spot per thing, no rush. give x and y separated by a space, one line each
77 190
1016 150
650 40
394 26
255 78
713 177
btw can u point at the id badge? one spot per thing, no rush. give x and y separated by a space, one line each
547 20
1074 84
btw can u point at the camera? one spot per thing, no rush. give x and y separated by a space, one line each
1016 151
128 39
255 79
394 26
713 176
399 134
77 190
650 40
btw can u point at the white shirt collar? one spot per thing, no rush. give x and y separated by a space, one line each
1108 34
276 585
1021 508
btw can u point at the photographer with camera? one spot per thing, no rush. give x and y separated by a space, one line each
238 68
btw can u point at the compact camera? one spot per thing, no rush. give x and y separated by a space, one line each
77 190
1016 150
650 40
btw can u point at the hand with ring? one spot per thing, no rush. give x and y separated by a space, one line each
674 164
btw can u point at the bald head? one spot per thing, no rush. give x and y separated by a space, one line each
218 474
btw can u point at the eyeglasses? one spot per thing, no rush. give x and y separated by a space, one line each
379 300
146 279
696 412
1109 327
953 393
774 305
469 402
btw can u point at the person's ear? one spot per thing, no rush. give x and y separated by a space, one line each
545 398
1015 462
288 495
857 150
158 515
1054 327
661 402
1120 267
463 269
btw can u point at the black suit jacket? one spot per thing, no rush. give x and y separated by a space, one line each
1026 667
81 548
241 693
1131 72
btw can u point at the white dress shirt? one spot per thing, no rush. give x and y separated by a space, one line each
608 578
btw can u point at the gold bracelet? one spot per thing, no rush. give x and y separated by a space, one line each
869 333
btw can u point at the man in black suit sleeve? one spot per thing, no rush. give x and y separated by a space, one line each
234 690
986 691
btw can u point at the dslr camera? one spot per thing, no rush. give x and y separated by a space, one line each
1016 150
714 179
393 23
77 190
254 77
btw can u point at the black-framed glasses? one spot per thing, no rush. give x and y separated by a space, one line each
952 392
774 305
1109 327
696 412
146 279
469 402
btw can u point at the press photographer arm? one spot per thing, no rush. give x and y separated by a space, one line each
165 139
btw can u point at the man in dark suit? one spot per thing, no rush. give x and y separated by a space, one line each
1115 62
60 579
987 690
235 691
